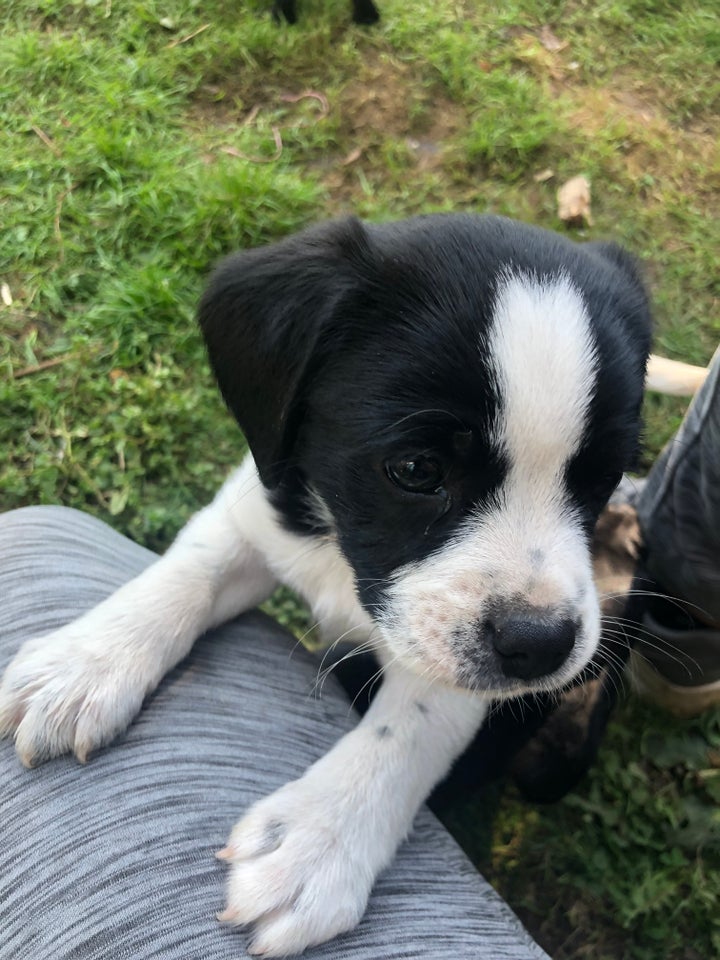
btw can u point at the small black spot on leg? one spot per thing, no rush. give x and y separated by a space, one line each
383 732
422 708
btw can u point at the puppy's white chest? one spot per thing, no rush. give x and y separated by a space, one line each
351 630
335 607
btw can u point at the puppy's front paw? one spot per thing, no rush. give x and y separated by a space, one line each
70 691
301 868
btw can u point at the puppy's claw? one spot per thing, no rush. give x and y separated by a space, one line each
225 854
227 916
29 753
28 760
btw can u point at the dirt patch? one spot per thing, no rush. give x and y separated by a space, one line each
379 101
382 98
390 124
387 121
388 101
598 108
649 144
231 105
216 105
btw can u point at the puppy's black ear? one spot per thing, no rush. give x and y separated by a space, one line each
638 313
619 257
269 316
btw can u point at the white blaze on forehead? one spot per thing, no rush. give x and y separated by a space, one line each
545 362
526 542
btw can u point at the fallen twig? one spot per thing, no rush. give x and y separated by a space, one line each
251 116
234 152
190 36
45 139
277 135
43 365
309 95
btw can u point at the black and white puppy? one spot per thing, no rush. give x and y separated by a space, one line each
437 411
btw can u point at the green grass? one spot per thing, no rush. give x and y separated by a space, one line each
123 179
626 866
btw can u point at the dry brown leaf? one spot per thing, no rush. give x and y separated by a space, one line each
542 176
551 43
574 202
351 157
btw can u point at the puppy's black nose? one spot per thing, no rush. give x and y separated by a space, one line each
530 646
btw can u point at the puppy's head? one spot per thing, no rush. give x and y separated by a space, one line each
454 398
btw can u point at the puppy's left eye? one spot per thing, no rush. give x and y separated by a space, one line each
417 474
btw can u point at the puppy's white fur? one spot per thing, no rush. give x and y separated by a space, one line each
337 826
303 861
541 336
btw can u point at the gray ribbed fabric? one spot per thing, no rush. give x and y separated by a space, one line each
679 507
114 860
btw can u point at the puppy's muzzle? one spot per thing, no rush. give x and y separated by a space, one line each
530 643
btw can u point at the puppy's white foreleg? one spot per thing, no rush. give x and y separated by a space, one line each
303 860
77 688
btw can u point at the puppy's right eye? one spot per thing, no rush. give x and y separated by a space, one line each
416 474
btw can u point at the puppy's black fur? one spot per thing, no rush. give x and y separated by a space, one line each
324 315
327 345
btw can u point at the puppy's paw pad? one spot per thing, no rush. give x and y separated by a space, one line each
298 871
